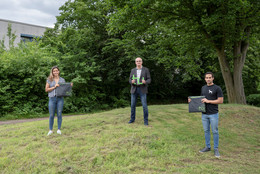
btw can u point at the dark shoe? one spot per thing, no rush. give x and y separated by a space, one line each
146 124
130 122
206 149
216 153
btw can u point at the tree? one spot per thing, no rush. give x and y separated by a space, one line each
10 35
81 41
225 25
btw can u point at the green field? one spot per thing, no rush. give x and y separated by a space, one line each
105 143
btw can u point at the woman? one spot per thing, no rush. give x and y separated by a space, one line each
54 102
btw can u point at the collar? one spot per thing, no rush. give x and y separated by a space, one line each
140 68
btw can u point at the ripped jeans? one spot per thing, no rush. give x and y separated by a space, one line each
55 103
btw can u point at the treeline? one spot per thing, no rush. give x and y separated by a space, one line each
97 57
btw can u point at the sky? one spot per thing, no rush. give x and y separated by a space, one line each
37 12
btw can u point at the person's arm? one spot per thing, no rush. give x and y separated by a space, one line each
218 101
48 88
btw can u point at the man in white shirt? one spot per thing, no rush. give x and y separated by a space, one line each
139 80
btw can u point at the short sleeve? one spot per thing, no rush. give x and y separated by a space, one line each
201 93
219 92
62 80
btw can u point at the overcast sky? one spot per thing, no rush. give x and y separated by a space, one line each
37 12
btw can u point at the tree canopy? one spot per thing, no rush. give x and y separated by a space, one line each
95 43
225 27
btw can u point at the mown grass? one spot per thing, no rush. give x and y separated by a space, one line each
105 143
14 116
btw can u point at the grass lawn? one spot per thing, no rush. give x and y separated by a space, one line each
105 143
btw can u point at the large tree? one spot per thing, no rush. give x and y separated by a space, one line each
224 25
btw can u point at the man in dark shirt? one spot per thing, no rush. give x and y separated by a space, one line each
213 96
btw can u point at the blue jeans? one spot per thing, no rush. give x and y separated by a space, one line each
207 121
55 103
144 103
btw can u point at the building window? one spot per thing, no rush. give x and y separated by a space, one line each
28 37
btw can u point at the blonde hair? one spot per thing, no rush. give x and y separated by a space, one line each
50 78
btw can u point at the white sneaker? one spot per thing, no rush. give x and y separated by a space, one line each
49 133
58 132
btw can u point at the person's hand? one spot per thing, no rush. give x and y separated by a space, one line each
133 81
56 85
143 81
204 100
189 100
71 84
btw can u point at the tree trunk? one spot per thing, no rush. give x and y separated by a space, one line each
239 54
234 83
227 76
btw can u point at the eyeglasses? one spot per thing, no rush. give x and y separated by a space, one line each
138 61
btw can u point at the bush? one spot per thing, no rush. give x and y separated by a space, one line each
254 99
23 73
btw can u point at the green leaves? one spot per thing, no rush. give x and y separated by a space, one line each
95 43
189 35
24 70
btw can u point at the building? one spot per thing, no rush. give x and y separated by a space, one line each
24 32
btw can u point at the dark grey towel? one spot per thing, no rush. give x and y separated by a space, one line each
196 105
65 89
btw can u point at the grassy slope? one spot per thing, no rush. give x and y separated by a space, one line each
105 143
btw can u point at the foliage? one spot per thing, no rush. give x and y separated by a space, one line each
254 99
81 41
192 26
23 73
95 43
11 36
102 61
251 73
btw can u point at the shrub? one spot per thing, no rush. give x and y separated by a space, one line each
254 99
23 73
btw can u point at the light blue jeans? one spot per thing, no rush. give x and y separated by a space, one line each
207 121
134 96
55 103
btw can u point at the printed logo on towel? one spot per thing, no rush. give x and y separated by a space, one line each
138 80
201 108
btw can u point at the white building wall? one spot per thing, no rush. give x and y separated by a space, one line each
19 28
